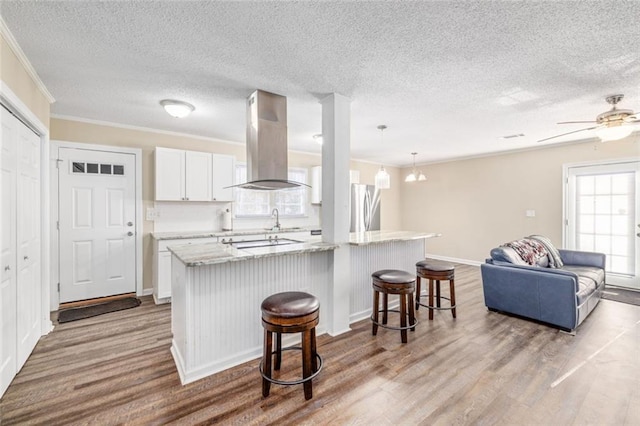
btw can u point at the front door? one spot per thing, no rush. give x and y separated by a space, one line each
97 223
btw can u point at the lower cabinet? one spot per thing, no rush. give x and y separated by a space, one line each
162 265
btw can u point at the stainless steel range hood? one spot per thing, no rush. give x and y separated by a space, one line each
267 164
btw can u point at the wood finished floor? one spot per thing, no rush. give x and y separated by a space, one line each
482 368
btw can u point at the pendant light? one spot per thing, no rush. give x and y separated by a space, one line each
415 176
382 179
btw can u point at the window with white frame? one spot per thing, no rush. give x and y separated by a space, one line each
289 202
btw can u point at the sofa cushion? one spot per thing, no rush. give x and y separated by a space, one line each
586 286
555 261
596 275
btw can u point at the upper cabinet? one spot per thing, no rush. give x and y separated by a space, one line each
224 169
193 176
182 175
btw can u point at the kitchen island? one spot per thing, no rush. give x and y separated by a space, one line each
217 291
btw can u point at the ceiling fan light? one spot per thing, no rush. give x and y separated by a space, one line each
177 109
382 179
613 133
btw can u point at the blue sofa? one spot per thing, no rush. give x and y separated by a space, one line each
561 297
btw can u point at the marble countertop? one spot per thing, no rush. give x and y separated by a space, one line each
212 253
375 237
207 234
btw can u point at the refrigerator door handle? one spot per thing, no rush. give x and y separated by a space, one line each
367 210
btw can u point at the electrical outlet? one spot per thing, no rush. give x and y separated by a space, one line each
530 213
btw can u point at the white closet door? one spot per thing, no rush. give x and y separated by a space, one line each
28 238
8 316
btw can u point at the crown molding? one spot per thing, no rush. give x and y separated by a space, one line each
141 128
17 50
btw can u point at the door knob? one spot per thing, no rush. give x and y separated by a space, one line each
130 233
26 257
129 223
7 268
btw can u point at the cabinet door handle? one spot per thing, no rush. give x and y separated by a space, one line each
26 257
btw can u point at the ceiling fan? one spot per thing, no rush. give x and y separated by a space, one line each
611 125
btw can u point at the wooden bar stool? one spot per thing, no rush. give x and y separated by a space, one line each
393 281
290 312
436 271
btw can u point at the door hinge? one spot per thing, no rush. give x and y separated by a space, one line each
58 161
566 222
58 225
58 287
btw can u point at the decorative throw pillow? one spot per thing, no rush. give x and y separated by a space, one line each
529 250
555 261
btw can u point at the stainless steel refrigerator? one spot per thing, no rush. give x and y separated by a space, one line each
365 208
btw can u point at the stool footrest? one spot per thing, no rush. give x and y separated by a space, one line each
292 382
443 308
390 327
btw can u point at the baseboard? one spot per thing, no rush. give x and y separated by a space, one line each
147 292
454 259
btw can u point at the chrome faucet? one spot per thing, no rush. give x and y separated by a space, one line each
276 213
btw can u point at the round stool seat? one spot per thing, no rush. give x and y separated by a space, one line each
394 276
435 266
290 304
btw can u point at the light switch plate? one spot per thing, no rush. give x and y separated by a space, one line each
151 214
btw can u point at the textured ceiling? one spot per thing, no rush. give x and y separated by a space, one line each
447 78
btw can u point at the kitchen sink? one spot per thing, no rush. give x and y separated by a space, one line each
262 243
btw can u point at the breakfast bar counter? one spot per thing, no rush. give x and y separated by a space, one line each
217 290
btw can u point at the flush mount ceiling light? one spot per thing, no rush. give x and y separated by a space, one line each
415 176
382 179
318 139
177 109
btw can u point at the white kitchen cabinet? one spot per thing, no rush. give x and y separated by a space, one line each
183 175
316 182
223 176
21 270
198 182
162 265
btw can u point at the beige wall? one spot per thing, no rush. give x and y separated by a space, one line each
16 77
478 204
75 131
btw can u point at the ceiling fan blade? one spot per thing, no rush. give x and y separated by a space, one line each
576 122
568 133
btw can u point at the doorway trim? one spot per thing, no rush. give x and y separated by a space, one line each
9 99
55 196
